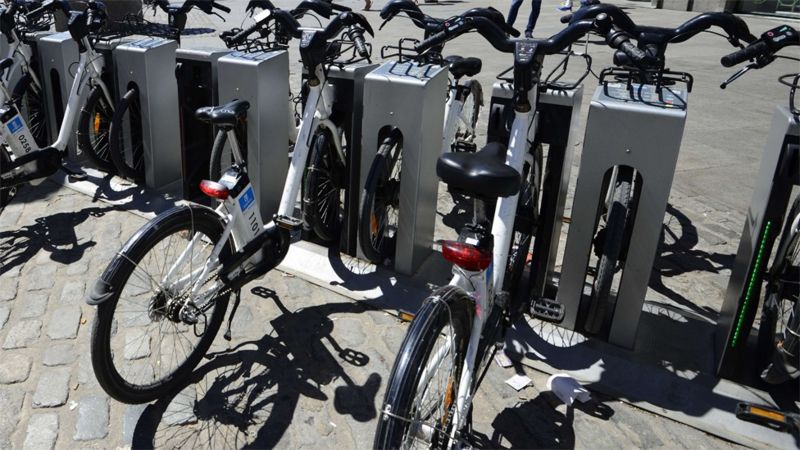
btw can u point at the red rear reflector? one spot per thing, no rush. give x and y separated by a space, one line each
214 189
466 256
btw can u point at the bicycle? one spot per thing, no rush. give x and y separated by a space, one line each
378 219
178 272
446 351
27 160
126 132
622 188
780 316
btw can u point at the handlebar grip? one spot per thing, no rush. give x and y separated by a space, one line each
221 7
340 8
240 36
511 31
751 51
33 15
434 40
637 55
566 18
358 39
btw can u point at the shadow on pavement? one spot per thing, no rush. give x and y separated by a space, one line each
246 397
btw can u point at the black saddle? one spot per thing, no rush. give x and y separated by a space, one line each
482 174
460 66
226 115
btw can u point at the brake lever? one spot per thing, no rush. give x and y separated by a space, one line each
383 24
218 15
738 74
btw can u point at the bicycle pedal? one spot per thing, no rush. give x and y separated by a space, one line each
547 309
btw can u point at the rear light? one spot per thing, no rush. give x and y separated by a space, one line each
214 189
466 256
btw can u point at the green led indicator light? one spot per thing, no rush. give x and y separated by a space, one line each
751 285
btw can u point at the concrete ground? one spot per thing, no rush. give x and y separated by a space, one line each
307 367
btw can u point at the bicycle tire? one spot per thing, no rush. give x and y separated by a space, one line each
322 190
476 93
30 101
93 128
381 192
781 312
129 102
618 216
524 223
182 221
448 305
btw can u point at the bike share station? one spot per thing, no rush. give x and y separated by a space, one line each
741 350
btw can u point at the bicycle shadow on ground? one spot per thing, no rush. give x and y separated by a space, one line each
247 396
54 234
536 423
678 254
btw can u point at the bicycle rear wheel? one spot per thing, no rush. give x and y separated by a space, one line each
422 389
466 128
126 137
377 226
607 267
143 341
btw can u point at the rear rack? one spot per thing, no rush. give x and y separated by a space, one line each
793 81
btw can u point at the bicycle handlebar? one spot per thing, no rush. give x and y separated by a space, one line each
49 6
767 45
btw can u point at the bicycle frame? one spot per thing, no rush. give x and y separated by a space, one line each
453 113
481 285
90 67
21 54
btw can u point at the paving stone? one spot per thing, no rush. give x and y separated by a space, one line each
35 304
59 354
53 388
92 419
10 406
9 291
42 276
180 411
14 368
64 322
42 432
137 344
129 422
5 311
350 331
9 273
79 267
23 333
73 293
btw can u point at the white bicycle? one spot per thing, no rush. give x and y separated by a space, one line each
162 299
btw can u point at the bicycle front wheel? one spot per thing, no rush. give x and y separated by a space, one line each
607 267
126 137
380 201
93 126
29 99
466 130
421 391
153 330
324 188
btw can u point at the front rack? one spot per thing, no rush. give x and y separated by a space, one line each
404 52
134 24
660 79
345 47
552 80
792 80
267 40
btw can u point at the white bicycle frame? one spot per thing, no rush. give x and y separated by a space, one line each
453 113
90 67
21 54
481 285
316 114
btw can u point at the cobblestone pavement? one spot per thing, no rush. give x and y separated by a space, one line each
306 368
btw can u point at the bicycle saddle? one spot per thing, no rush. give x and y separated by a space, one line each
460 66
482 174
225 115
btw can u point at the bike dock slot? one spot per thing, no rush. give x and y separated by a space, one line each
408 97
738 355
261 78
197 87
558 116
647 131
348 82
149 66
58 54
